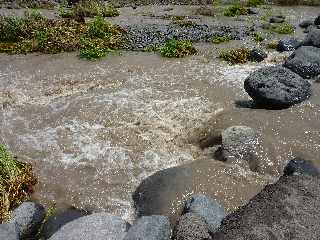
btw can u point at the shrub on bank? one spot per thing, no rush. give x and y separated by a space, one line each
177 48
235 56
221 39
281 28
235 10
16 182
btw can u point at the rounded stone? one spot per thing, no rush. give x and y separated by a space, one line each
277 87
209 209
299 166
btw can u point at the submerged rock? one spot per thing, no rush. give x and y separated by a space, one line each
28 218
60 218
97 226
288 44
277 19
298 166
305 61
154 227
210 210
239 145
191 227
277 87
288 209
257 55
8 231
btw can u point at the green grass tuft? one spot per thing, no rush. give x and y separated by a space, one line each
235 56
281 28
221 39
177 48
235 10
255 3
16 182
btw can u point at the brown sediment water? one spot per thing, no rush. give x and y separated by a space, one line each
95 130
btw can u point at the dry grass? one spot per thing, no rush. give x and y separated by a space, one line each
16 183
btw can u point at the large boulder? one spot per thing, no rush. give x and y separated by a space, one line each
239 146
313 37
154 227
8 231
305 61
28 218
60 218
288 209
298 166
97 226
210 210
277 87
288 44
191 227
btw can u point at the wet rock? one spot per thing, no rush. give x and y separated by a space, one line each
276 87
313 38
305 61
97 226
253 11
258 55
164 192
154 227
317 21
191 227
239 145
28 218
298 166
277 19
8 231
288 44
306 23
210 210
288 209
60 218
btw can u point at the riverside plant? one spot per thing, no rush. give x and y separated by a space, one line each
177 48
281 28
221 39
35 34
235 10
16 183
235 56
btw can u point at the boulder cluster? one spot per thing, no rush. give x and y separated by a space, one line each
282 86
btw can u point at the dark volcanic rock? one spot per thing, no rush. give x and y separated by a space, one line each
277 87
289 44
8 231
60 218
305 61
288 209
258 55
306 23
154 227
317 21
277 19
97 226
313 38
210 210
191 227
28 218
298 166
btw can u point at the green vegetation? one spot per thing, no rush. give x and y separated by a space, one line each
281 28
221 39
298 2
92 8
235 10
38 34
235 56
272 45
182 21
258 37
177 48
255 3
16 182
35 4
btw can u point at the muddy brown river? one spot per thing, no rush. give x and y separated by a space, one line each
94 130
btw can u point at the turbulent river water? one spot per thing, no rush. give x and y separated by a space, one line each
94 130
